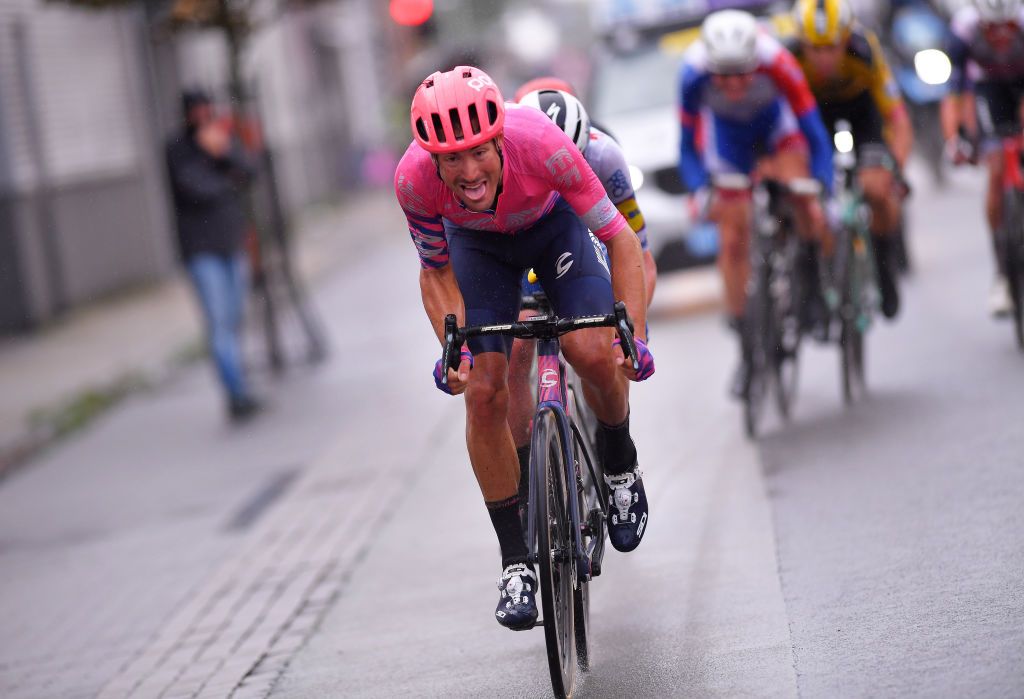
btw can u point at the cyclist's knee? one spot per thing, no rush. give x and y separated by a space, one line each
877 185
589 353
487 394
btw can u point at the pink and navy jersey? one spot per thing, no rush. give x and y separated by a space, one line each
541 163
975 59
777 76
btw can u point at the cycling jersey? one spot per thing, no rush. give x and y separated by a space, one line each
608 162
778 94
975 59
862 69
539 163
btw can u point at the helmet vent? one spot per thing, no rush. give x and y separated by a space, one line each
421 129
428 83
456 122
492 112
467 74
438 128
474 119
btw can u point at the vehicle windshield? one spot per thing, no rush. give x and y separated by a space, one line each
635 82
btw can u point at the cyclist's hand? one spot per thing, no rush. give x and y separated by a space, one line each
457 380
959 151
699 204
643 354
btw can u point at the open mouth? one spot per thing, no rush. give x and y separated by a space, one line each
474 191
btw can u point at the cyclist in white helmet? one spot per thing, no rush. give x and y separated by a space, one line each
987 51
744 96
608 162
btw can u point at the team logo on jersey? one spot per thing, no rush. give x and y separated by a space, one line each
563 264
564 168
619 184
409 199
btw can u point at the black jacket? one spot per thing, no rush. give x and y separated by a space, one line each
207 195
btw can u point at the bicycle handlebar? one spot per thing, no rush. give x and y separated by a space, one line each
541 327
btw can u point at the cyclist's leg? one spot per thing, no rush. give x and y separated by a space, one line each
730 147
572 267
489 283
875 173
521 399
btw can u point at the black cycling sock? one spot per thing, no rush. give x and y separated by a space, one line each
616 446
997 250
524 472
505 518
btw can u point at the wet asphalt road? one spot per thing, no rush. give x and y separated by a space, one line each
866 551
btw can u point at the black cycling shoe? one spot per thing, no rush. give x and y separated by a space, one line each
627 509
886 266
814 313
517 606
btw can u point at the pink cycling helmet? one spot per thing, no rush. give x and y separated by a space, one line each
457 110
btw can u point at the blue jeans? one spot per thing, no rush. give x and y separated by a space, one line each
221 284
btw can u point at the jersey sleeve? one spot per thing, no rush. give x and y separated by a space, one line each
883 85
425 226
789 77
691 165
567 172
959 51
613 171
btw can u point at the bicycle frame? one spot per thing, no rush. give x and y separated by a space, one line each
552 397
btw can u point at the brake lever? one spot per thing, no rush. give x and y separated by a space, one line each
624 324
452 355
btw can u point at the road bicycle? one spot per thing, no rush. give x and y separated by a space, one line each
853 295
774 294
566 507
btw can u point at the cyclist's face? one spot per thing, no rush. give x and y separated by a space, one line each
734 87
1000 35
473 175
826 58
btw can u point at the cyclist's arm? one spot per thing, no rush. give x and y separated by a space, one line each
628 276
952 107
887 97
691 165
441 296
438 286
788 75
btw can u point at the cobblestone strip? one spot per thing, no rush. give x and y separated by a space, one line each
237 633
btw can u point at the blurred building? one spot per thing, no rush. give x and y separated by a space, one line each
88 97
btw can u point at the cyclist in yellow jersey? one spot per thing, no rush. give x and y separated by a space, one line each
851 81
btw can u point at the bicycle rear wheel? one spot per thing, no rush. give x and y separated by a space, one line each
554 551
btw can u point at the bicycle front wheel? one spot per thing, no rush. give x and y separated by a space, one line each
554 550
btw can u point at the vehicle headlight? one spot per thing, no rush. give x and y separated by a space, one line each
844 141
932 66
636 176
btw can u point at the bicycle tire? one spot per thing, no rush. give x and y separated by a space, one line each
787 333
856 281
759 327
1013 222
554 550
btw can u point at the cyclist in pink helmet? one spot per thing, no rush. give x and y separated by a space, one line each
490 190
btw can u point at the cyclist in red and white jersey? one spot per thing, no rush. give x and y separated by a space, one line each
987 52
489 192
